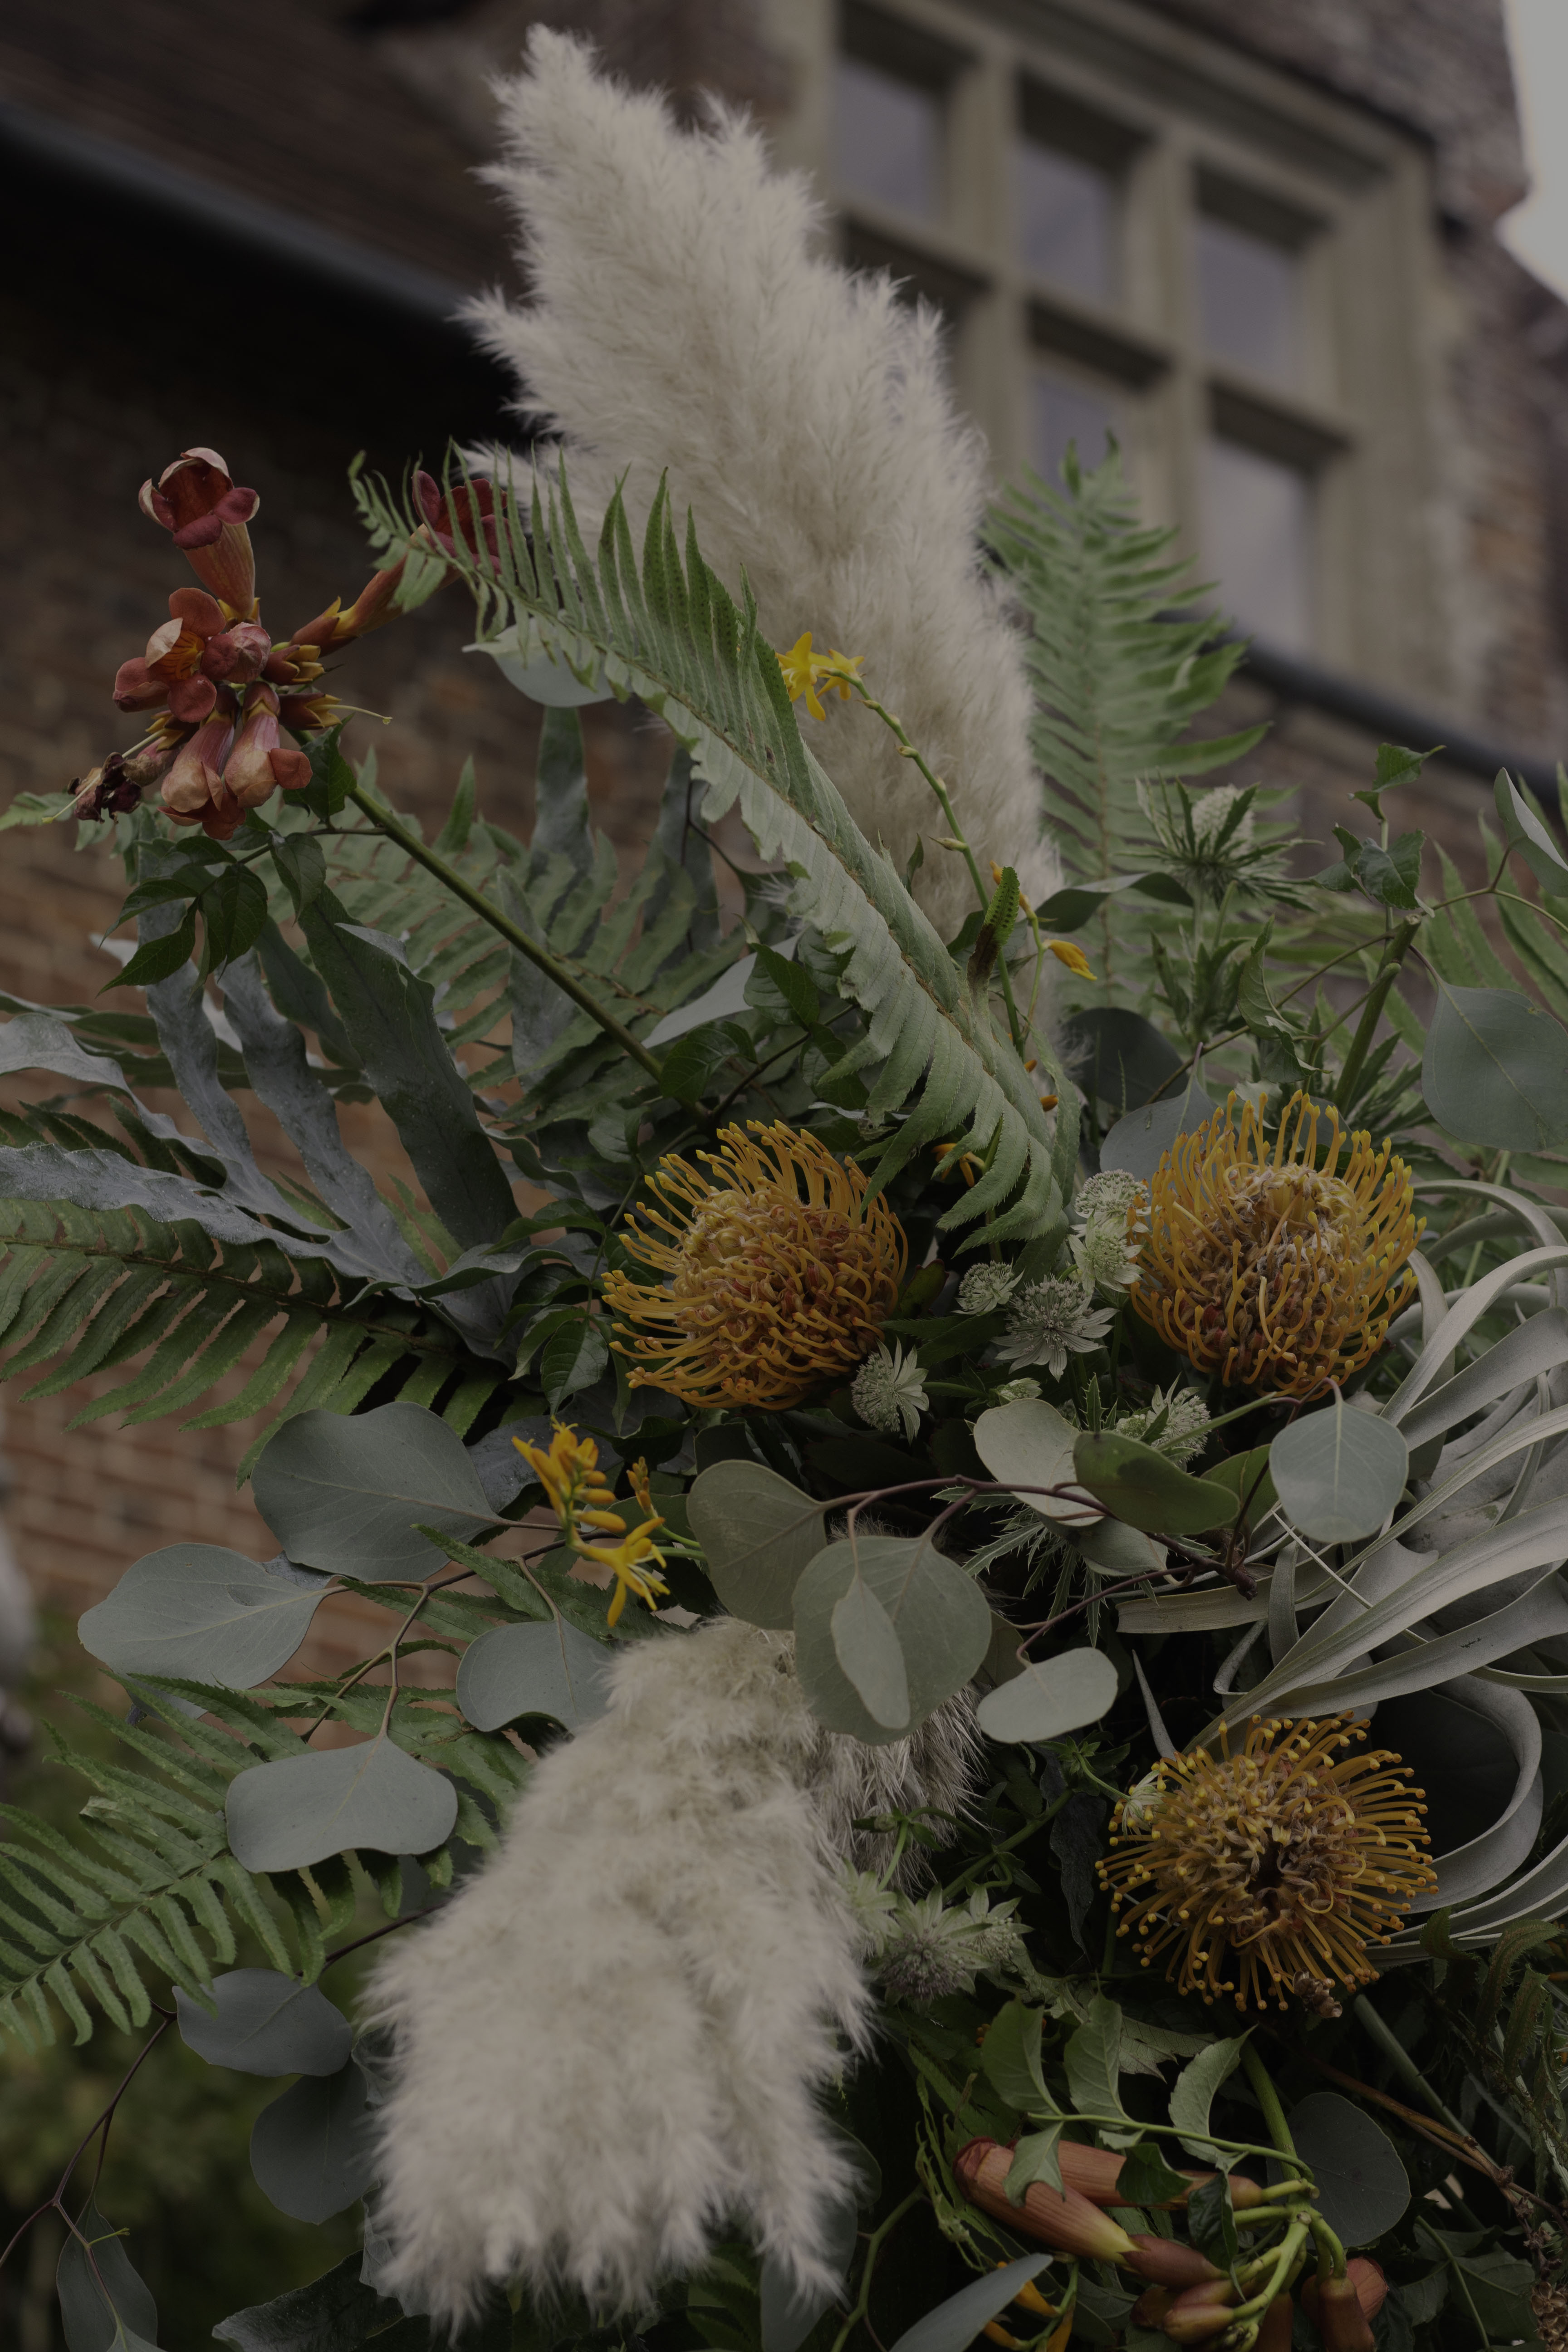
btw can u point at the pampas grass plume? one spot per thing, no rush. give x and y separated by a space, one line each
681 317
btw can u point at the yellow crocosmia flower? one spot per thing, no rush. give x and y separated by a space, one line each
634 1564
575 1485
638 1479
844 669
1073 957
801 674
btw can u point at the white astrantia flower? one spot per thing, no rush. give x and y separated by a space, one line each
1106 1198
1178 1421
888 1390
1114 1207
1105 1258
985 1287
922 1950
1050 1320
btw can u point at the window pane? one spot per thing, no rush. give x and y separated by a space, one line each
1257 524
1066 215
1250 299
888 136
1069 412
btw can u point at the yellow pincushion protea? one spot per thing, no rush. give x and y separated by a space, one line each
1270 1263
1287 1861
778 1273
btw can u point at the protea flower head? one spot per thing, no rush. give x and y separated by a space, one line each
1271 1263
778 1272
1283 1862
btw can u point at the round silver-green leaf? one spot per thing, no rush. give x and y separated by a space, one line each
1362 2187
344 1491
938 1613
1055 1696
312 2150
1339 1473
286 1815
757 1534
518 1670
202 1613
267 2023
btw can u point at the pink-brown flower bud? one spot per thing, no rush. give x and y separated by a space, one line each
1095 2172
307 714
1170 2262
1195 2323
1275 2328
259 763
371 609
1066 2220
195 499
1342 2309
193 790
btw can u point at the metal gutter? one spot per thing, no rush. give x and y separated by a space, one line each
400 290
1391 720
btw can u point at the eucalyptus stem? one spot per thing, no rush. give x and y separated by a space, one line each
514 933
1393 955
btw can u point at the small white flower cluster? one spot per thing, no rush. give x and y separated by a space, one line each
888 1390
1050 1320
922 1952
1179 1419
1105 1253
985 1287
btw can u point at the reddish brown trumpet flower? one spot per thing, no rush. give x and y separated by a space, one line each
1070 2223
197 501
1275 2328
1170 2262
1095 2172
1342 2309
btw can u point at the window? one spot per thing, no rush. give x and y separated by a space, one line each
1063 412
889 134
1257 522
1067 219
1250 299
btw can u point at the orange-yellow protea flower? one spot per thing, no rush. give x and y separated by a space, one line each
1284 1862
804 672
779 1273
581 1498
1270 1263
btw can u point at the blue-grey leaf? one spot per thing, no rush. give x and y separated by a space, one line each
545 1669
941 1617
34 1040
1339 1473
343 1491
758 1533
312 2149
1362 2187
1137 1144
300 1809
267 2023
202 1613
1495 1069
867 1646
956 2324
1050 1697
104 2306
336 2313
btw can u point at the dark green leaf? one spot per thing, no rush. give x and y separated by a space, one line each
1118 1057
1392 876
1145 1489
1010 2059
336 2313
1211 2220
1495 1071
1145 2177
1362 2188
157 959
235 912
104 2307
312 2149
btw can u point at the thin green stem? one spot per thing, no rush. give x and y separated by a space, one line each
1405 2067
514 933
1257 2074
874 2244
1372 1011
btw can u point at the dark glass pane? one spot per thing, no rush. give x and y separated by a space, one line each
1065 220
1257 522
1068 412
888 138
1250 299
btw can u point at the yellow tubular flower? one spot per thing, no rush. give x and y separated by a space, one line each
778 1273
581 1499
1271 1264
1066 952
1287 1859
804 671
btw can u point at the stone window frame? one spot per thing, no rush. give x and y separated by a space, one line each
1187 121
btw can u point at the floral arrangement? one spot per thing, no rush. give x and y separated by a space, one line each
994 1515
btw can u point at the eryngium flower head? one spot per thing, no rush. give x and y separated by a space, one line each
1272 1264
779 1273
1285 1861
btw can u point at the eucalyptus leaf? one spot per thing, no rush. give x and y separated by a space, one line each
267 2023
202 1613
1137 1144
955 2325
1144 1488
1029 1445
312 2150
1117 1056
104 2306
939 1616
546 1669
1050 1696
288 1814
757 1534
343 1491
336 2313
1339 1473
1495 1069
1362 2187
867 1646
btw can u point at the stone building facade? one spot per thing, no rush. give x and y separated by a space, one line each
1258 239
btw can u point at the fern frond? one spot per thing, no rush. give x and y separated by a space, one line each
666 630
1117 680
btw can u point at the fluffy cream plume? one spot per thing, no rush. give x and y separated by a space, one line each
683 317
610 2044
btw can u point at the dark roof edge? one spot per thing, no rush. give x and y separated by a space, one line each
1390 719
416 297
